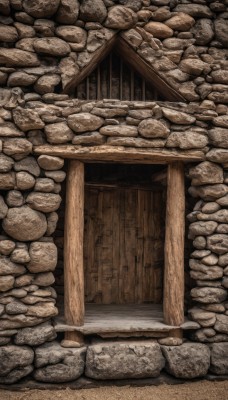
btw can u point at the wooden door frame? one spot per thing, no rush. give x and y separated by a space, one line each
173 290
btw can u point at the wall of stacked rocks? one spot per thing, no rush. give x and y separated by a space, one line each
45 45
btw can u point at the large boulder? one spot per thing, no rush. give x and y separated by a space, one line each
57 364
118 360
35 336
93 11
83 122
24 224
13 360
219 359
206 172
120 17
190 360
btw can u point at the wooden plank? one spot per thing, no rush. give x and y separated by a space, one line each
146 70
173 299
73 245
120 154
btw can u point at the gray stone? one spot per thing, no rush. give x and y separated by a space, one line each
35 336
16 374
69 69
221 324
24 224
218 216
93 11
187 140
210 207
221 120
27 119
44 279
208 295
14 198
199 242
18 58
52 220
203 272
195 10
45 202
16 307
3 208
89 138
50 163
188 361
221 31
119 130
151 128
57 176
220 76
159 30
209 192
120 17
6 246
218 137
28 164
202 228
223 260
8 129
7 182
219 359
20 255
6 163
41 8
210 259
24 181
180 22
17 148
44 185
52 46
218 155
73 34
39 311
178 117
68 11
118 360
203 31
218 243
6 283
20 78
57 364
204 318
205 173
58 133
135 142
12 357
7 267
47 83
83 122
43 257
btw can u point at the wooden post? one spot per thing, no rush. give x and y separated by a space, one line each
173 298
73 249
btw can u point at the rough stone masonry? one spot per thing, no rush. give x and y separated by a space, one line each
45 45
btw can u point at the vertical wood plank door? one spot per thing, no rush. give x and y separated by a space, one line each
123 245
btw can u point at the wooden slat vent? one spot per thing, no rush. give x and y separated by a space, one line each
114 79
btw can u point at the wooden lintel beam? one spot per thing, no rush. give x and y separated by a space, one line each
121 154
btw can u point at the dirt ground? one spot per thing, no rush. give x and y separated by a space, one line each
189 391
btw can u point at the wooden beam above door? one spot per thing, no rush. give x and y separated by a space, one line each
121 154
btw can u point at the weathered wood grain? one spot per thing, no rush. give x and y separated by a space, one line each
173 299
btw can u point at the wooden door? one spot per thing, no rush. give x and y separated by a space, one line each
123 245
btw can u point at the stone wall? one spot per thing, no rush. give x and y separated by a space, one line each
45 46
